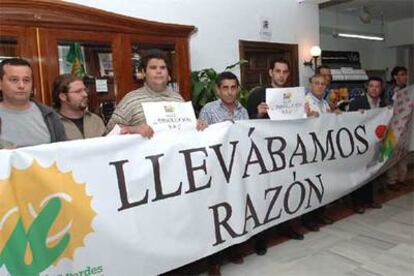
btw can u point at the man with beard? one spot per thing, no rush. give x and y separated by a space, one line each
70 99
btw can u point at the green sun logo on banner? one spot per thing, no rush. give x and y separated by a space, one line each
38 227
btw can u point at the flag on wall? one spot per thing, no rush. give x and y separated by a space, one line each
75 57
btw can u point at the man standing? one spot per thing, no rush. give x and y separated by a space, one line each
257 109
314 98
226 107
397 175
25 122
316 105
256 103
129 113
325 71
70 99
399 79
372 99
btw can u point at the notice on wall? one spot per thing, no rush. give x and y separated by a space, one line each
101 85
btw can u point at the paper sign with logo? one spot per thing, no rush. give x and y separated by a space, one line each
169 115
286 103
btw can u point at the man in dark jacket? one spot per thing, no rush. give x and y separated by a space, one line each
25 122
371 99
364 196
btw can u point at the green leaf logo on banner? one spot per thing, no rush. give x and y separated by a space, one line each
38 227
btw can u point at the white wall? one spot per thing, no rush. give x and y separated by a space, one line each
375 55
221 24
401 32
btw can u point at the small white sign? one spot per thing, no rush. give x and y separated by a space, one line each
286 103
101 85
170 115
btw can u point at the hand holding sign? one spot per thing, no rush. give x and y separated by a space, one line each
170 116
286 103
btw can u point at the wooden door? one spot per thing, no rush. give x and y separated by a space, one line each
260 56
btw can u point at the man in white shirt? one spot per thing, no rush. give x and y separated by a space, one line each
315 103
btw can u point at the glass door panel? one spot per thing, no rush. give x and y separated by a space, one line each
8 47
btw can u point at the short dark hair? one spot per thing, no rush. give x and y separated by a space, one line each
279 60
154 54
396 70
13 62
61 85
226 75
320 67
375 78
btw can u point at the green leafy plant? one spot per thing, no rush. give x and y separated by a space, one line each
203 86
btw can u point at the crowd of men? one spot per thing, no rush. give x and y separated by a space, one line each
26 122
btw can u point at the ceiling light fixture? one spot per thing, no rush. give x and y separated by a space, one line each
361 36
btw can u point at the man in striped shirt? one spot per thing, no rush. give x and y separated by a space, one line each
129 113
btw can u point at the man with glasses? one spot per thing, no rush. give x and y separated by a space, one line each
25 122
70 99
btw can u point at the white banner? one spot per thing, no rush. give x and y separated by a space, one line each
127 205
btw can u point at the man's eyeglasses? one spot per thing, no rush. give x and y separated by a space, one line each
79 91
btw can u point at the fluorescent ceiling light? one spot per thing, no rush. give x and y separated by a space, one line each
368 37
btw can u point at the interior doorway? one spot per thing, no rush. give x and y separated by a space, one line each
260 55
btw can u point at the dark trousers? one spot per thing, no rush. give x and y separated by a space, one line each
313 216
364 195
284 229
218 258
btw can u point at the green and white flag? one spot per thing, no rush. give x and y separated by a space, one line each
75 57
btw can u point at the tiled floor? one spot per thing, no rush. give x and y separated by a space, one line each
379 242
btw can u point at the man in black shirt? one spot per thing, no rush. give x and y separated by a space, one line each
256 103
257 109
